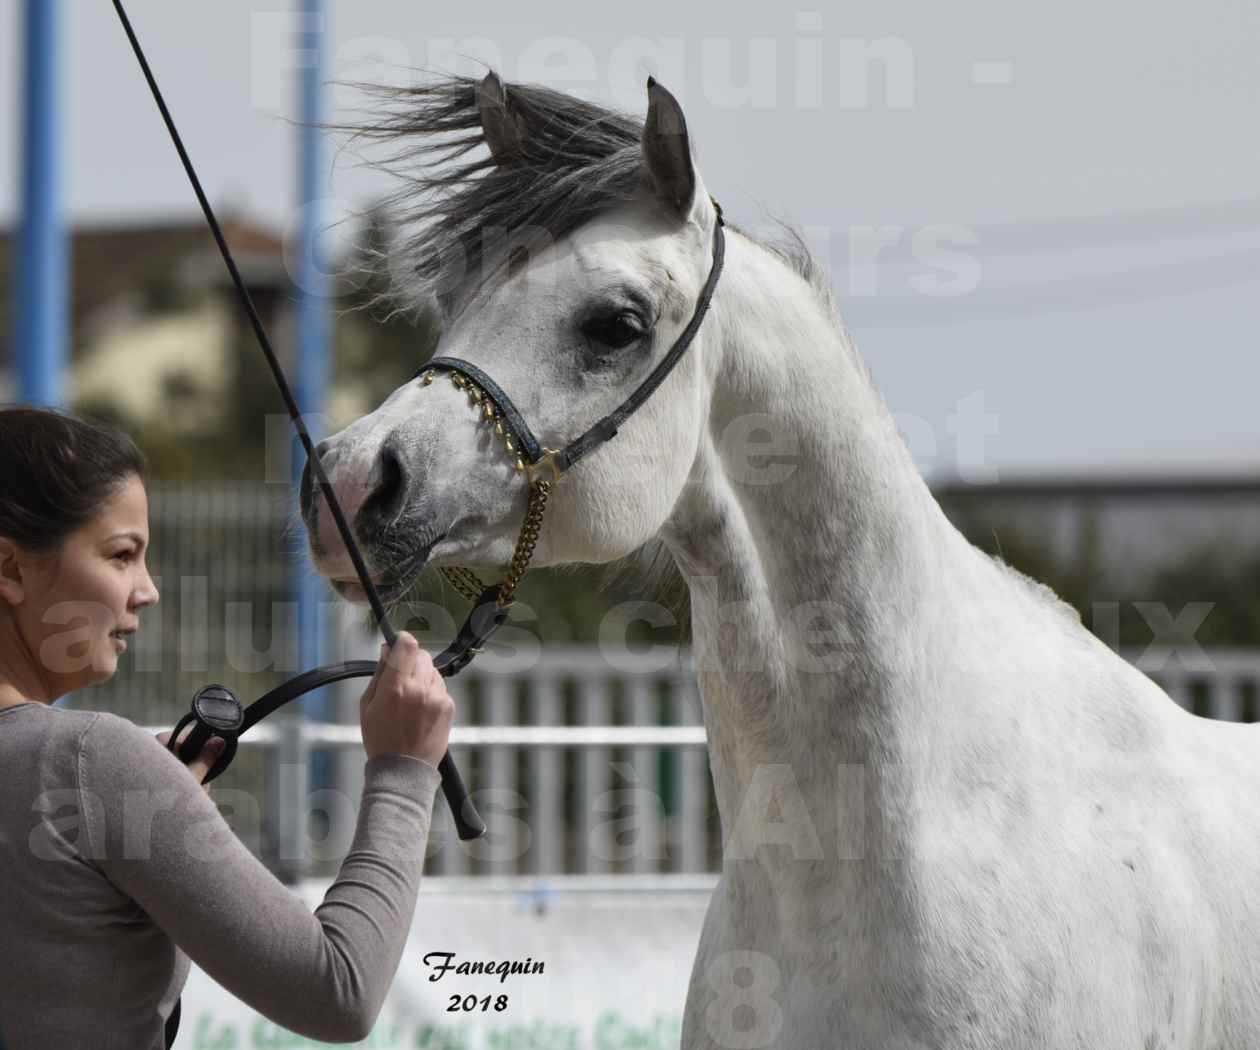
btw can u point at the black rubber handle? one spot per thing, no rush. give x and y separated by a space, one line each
217 712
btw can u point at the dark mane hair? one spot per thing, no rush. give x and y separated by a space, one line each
461 216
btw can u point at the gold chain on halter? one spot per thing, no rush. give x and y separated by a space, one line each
465 580
539 493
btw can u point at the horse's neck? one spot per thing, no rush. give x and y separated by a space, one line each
805 523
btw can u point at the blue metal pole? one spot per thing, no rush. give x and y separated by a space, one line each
39 285
312 334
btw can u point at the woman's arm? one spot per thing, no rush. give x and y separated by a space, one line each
153 832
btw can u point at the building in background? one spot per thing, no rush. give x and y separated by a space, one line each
161 346
153 324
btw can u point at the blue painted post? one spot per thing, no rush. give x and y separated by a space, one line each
312 341
39 285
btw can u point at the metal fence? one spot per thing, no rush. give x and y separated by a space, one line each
1223 684
583 762
583 766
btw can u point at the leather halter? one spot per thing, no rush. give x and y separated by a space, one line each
547 465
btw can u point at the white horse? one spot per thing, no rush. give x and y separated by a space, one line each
952 818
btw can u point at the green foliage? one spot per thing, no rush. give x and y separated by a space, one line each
379 344
1226 577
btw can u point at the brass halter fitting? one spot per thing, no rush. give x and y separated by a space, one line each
542 475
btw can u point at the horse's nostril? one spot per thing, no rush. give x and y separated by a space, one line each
386 498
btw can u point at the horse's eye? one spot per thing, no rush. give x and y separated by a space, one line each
614 330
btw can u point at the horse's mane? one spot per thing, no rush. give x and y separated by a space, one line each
458 215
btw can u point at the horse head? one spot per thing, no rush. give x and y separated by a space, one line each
565 265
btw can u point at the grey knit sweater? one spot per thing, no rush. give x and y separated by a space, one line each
115 868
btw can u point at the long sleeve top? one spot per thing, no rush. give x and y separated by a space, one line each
116 868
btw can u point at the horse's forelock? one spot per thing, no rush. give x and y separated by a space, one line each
578 161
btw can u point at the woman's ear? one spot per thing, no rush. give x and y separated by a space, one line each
12 588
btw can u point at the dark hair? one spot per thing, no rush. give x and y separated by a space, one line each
55 473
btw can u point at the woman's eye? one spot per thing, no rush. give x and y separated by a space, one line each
123 555
616 330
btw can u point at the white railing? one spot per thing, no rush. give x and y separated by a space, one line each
582 764
585 765
1221 684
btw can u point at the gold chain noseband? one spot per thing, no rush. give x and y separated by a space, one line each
465 580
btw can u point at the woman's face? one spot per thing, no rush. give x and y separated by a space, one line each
84 602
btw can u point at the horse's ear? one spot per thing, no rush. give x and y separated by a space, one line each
504 132
667 152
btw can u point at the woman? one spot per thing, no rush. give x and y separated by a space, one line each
115 867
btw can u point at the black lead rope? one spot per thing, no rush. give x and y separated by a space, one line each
217 699
217 712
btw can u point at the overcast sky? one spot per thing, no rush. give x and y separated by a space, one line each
1042 221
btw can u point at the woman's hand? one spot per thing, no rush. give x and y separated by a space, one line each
406 710
202 764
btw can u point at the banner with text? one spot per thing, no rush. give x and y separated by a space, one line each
507 971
